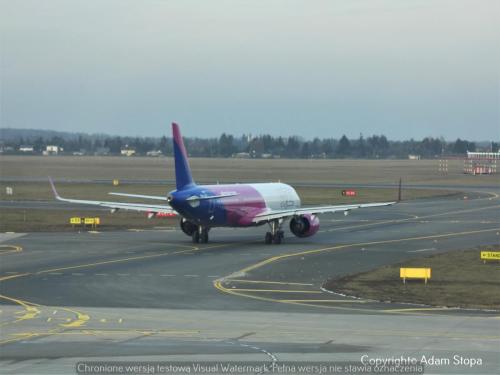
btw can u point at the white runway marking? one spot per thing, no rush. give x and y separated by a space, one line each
10 236
421 250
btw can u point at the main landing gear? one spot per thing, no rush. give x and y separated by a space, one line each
276 235
200 235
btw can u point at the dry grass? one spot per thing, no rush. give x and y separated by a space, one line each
41 191
20 220
420 172
459 278
86 170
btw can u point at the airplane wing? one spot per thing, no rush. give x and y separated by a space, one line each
283 214
157 197
116 205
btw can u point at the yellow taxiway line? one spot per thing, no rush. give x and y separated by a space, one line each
81 318
218 284
278 291
9 249
269 282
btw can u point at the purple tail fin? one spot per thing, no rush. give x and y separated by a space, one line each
183 177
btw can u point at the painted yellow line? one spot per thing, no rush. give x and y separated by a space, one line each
268 282
30 311
324 300
316 251
394 221
95 332
278 291
238 292
3 278
191 249
221 288
8 249
422 309
218 285
80 321
81 317
22 337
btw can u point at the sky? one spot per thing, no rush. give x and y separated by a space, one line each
405 69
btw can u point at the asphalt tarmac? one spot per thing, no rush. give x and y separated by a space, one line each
151 295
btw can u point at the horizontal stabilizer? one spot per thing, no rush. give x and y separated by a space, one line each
115 206
155 197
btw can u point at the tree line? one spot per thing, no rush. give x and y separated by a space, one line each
373 147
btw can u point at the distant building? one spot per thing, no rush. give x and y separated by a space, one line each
101 151
25 148
154 153
52 150
6 149
127 151
477 163
413 157
483 155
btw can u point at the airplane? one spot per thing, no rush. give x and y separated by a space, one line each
202 207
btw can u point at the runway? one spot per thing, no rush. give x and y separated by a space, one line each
152 295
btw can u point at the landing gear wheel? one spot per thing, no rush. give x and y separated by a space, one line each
196 236
204 236
278 237
269 238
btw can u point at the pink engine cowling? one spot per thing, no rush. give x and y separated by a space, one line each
304 225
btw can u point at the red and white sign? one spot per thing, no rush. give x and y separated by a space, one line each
349 193
160 214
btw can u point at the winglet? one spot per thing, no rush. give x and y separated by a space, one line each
183 177
56 195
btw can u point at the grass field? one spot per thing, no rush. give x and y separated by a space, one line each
17 220
418 172
151 173
459 279
20 220
41 191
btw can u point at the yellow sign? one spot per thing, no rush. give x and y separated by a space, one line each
89 220
75 220
490 255
116 182
97 221
415 273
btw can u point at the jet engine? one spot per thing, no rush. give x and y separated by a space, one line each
304 225
188 227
